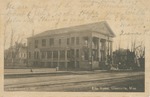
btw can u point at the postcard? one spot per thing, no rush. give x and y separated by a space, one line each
75 48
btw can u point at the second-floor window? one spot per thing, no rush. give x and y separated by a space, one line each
43 42
72 40
51 41
29 55
59 41
36 43
85 39
77 40
68 41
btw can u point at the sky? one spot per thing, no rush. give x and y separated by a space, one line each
129 19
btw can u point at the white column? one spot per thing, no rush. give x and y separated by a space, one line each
66 59
58 58
90 51
52 59
45 59
98 49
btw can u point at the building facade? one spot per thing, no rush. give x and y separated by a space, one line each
84 47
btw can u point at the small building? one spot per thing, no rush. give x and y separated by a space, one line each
83 47
16 56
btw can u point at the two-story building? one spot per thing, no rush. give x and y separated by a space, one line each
83 47
16 56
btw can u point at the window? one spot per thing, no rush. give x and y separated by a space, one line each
72 40
49 54
42 63
43 42
68 41
77 64
29 54
43 55
62 54
77 40
55 64
77 53
59 41
55 54
36 55
62 64
51 41
68 53
72 53
36 43
49 64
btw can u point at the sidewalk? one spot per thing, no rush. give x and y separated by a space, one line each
53 71
45 71
34 71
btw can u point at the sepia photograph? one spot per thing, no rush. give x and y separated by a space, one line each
79 58
75 46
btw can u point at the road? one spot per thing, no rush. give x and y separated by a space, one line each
77 82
